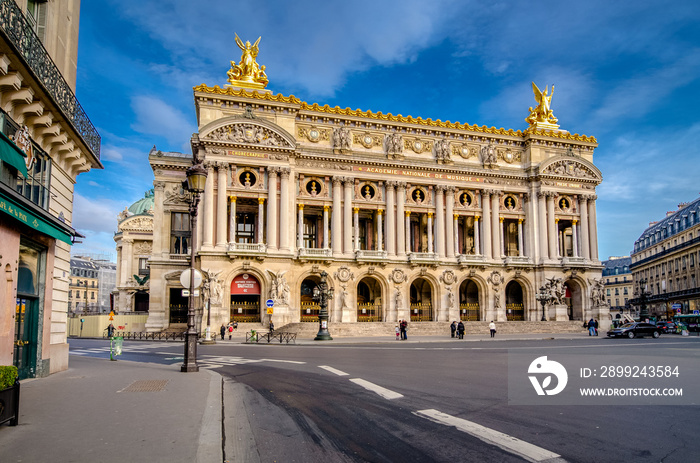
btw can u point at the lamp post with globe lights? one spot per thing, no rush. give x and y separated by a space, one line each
322 294
543 298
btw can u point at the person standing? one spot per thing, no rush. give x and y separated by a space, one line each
453 328
591 327
492 328
595 326
460 329
272 326
223 331
404 328
230 331
398 332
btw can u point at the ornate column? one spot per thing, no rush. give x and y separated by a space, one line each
560 240
261 218
430 232
486 209
161 245
232 221
521 251
495 222
380 226
326 209
440 220
501 238
450 229
583 209
128 259
300 227
272 208
407 229
593 227
552 235
391 221
574 226
347 216
208 239
401 237
284 229
336 217
542 216
356 227
455 234
221 205
477 244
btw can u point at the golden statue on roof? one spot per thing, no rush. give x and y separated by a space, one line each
247 73
541 117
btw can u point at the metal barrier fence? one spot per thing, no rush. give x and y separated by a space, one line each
141 336
268 337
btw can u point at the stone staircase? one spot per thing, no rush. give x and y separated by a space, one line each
309 330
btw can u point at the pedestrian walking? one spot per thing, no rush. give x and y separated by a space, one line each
230 331
223 331
272 326
591 327
453 328
595 326
398 332
110 331
492 328
460 329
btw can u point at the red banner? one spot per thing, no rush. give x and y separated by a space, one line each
245 284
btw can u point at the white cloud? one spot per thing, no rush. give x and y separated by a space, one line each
156 117
95 214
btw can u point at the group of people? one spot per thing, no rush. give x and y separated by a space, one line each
401 330
457 329
228 329
592 326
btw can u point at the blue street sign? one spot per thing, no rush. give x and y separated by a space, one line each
270 303
677 306
696 312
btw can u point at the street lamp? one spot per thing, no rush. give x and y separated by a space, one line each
322 294
196 179
543 298
643 295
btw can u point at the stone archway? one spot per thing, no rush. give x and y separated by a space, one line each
245 299
308 308
369 300
421 302
574 299
515 307
469 309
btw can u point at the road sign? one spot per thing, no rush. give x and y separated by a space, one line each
186 293
677 306
270 303
269 310
185 278
696 312
111 315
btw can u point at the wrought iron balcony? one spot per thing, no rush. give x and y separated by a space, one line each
20 35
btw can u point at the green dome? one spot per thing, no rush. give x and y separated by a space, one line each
143 205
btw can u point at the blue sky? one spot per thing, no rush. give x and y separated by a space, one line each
625 72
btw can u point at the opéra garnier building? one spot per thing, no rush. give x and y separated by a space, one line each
411 218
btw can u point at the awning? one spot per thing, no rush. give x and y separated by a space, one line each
11 154
23 215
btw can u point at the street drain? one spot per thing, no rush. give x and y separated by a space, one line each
148 385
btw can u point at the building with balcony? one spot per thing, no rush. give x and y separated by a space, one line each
92 282
412 218
665 262
619 287
46 141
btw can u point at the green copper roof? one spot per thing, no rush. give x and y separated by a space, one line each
143 205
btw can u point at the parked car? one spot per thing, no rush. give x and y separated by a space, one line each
666 327
636 329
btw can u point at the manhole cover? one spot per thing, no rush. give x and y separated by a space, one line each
146 385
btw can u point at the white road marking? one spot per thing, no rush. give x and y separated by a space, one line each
333 370
386 393
508 443
283 361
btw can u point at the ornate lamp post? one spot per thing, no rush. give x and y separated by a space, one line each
643 296
322 294
543 298
196 179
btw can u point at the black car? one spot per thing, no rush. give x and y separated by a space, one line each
637 329
666 327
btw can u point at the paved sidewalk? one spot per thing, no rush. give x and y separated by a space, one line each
94 412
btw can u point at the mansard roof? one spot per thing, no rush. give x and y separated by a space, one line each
686 216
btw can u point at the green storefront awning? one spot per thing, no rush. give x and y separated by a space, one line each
12 155
23 215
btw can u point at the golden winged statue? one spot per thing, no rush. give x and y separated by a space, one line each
541 116
247 73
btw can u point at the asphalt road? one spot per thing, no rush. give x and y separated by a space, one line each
441 401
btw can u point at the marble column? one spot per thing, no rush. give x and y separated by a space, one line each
495 228
585 243
486 209
501 225
272 208
455 234
300 227
401 237
356 227
560 240
574 226
380 227
407 229
477 243
592 227
391 219
326 209
208 226
450 235
347 216
261 219
232 221
542 216
128 258
336 217
552 234
521 241
161 243
430 232
285 229
221 196
440 220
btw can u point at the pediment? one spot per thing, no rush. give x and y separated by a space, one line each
570 167
137 223
248 131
